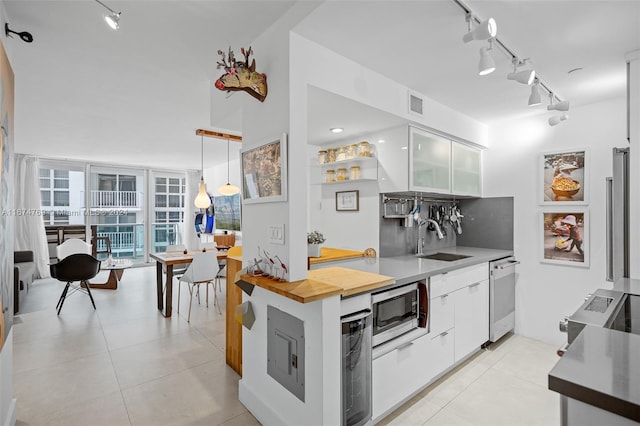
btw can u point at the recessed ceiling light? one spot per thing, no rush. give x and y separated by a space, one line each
336 129
404 147
381 141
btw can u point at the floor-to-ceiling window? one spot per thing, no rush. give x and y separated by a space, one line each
62 193
114 201
116 206
168 211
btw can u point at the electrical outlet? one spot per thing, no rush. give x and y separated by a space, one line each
276 234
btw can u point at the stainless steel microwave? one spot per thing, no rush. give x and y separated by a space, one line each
398 311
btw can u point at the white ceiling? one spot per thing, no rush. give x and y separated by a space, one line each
86 92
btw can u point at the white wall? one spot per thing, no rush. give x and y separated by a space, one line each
545 293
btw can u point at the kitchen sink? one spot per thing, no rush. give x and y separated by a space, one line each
447 257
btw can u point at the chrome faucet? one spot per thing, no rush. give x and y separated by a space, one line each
420 249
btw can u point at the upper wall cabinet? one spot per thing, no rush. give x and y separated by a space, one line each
465 169
429 162
440 165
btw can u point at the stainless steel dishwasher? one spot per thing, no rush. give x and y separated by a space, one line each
502 297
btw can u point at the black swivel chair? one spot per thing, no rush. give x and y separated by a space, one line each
76 267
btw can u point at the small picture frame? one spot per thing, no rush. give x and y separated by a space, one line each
264 172
564 177
348 201
564 236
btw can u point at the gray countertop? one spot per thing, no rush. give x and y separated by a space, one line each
601 368
409 268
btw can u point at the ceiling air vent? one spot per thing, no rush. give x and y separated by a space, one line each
415 104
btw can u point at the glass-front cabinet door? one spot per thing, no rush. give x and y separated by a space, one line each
429 162
465 169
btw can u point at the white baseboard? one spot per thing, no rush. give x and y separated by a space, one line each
257 406
11 414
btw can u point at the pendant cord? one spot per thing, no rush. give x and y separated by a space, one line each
202 156
228 182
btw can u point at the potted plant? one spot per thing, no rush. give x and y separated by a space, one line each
314 241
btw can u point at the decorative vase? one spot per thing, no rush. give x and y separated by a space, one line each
313 250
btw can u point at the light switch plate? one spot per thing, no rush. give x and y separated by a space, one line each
276 234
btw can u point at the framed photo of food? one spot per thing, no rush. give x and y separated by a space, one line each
564 177
565 236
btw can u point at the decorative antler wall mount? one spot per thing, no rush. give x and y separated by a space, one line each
240 75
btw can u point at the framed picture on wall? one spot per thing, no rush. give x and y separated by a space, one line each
264 172
564 177
348 201
564 237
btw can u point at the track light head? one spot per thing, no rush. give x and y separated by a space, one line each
560 106
556 119
534 97
113 20
524 77
484 30
486 64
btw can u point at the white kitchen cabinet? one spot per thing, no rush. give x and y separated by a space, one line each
442 314
466 174
429 162
437 164
471 318
400 373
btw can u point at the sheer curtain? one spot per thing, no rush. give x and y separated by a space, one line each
29 226
191 240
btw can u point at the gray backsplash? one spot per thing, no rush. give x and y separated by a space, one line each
487 222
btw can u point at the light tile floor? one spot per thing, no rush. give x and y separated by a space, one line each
124 364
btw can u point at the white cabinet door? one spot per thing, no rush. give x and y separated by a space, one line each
429 162
465 169
471 318
441 313
399 373
441 352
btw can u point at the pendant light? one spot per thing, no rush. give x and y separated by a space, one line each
202 200
228 189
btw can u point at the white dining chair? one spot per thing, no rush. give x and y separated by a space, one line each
202 270
72 246
180 269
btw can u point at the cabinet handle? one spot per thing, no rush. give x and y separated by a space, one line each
444 295
444 333
474 285
404 345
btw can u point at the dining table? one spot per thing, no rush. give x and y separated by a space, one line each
164 271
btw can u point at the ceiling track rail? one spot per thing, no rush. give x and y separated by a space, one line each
218 135
510 52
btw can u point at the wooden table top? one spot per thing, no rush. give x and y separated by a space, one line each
330 254
323 283
177 257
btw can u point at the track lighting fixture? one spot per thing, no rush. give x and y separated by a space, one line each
534 97
556 119
112 18
560 106
525 76
484 30
24 35
486 64
202 200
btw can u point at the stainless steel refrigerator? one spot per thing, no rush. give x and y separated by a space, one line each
618 216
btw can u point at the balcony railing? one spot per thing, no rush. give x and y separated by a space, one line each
127 240
116 199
